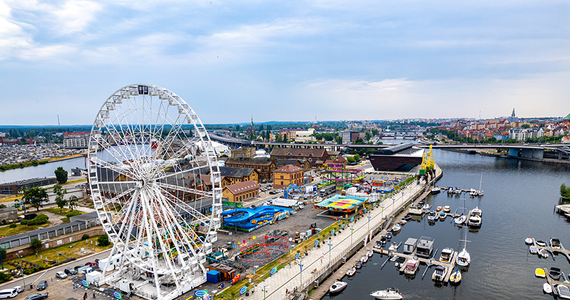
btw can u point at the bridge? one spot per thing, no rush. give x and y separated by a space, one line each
534 151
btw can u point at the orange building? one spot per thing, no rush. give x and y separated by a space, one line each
286 175
241 191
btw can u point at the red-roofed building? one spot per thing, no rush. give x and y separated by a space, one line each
241 191
287 175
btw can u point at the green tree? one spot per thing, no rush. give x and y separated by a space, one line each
103 241
564 191
525 126
375 132
356 157
35 197
338 140
60 192
350 159
35 244
368 135
61 175
72 202
3 253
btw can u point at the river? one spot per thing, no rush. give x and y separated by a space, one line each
519 201
40 171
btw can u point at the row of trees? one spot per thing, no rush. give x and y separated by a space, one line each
36 196
565 192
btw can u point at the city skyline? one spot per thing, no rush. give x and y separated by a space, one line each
287 61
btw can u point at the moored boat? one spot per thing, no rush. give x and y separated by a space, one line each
473 193
438 208
364 259
446 255
541 243
439 273
369 253
533 250
415 210
383 240
390 293
542 253
432 216
528 240
393 247
426 207
337 287
389 235
442 216
411 266
351 272
446 208
455 277
555 243
396 228
435 190
554 273
358 264
460 220
539 272
475 217
563 291
547 288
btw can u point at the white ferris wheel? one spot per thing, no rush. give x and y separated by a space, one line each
156 186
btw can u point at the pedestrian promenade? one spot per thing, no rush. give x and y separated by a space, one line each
291 277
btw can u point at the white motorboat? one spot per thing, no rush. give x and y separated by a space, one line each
563 291
533 250
446 255
396 228
475 217
450 191
351 272
528 240
541 243
547 288
390 293
460 220
446 209
426 207
542 253
364 259
458 191
403 222
415 210
411 266
439 273
555 243
432 216
337 287
369 253
435 190
473 193
393 247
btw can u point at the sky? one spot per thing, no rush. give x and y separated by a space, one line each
287 60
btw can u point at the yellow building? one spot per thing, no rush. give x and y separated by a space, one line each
231 175
287 175
239 192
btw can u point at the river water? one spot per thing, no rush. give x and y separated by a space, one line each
41 171
519 201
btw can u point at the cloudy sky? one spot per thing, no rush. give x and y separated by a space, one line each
287 60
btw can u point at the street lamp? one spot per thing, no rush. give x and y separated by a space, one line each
300 263
264 290
330 248
351 232
368 215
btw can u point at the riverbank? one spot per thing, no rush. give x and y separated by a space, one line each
34 163
499 155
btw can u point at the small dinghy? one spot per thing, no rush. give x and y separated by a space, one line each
460 220
389 235
446 208
547 288
438 208
337 287
528 241
563 291
442 216
393 247
533 250
542 253
407 217
351 272
403 222
383 240
396 228
369 253
358 264
539 272
541 243
364 259
378 245
455 277
390 293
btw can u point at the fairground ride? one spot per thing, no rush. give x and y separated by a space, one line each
149 153
339 175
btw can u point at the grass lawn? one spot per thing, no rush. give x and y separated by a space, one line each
63 212
64 251
6 230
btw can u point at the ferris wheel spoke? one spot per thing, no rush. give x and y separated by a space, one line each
185 207
184 189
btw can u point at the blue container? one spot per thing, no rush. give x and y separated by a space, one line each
213 276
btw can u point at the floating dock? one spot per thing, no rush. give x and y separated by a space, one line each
562 250
428 261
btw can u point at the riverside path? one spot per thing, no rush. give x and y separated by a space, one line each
291 277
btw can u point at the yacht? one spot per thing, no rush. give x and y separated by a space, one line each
463 258
475 218
389 235
415 210
473 193
337 287
358 264
426 207
390 293
455 277
460 220
446 255
439 273
383 240
458 191
424 247
450 191
396 228
393 247
411 266
432 216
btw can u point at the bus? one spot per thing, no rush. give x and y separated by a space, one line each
327 190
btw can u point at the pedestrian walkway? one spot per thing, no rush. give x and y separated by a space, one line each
291 277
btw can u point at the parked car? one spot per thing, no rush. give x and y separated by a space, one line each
42 285
94 264
19 289
37 296
61 275
70 271
8 293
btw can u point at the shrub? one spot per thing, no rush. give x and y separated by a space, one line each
24 222
4 277
85 236
3 221
3 253
73 213
38 220
103 241
13 225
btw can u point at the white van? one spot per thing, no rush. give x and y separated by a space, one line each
8 293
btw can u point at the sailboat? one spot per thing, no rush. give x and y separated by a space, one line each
463 258
480 192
